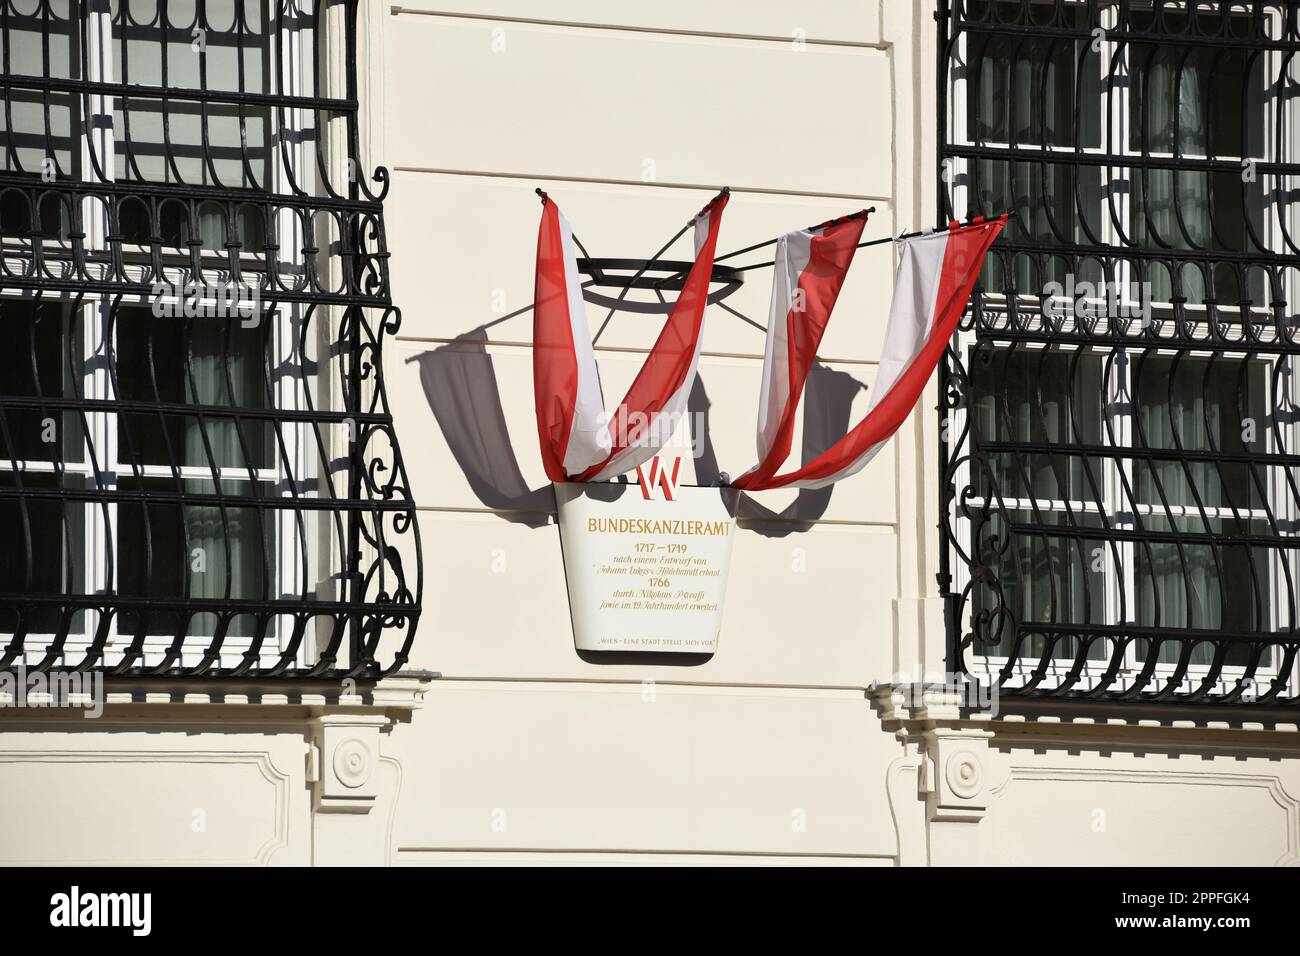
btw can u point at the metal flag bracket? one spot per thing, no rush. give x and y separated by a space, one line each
655 273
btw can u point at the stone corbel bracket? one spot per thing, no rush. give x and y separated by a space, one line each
955 764
345 742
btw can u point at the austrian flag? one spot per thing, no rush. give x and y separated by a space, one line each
936 273
578 440
933 282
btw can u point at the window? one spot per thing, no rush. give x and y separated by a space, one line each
218 46
169 549
196 457
1119 481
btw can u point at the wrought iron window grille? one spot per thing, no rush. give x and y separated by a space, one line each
199 475
1119 487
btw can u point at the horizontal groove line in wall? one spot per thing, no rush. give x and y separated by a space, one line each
396 9
597 181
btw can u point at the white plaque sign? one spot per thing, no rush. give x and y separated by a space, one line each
646 571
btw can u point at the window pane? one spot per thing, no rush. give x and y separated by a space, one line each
223 47
1189 210
42 353
1204 586
39 130
1044 398
42 554
1055 204
1206 100
204 361
1024 89
1198 102
1214 406
1200 405
1039 579
170 550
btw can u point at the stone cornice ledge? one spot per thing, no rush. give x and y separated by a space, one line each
911 709
394 697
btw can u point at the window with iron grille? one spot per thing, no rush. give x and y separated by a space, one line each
1120 484
198 469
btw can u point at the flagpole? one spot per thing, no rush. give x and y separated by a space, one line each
599 276
974 220
726 190
860 214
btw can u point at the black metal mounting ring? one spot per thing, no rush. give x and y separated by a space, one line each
662 274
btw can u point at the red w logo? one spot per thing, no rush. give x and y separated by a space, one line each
658 476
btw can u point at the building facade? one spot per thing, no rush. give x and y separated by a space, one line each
273 509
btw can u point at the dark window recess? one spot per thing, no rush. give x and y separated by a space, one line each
199 475
1119 487
223 374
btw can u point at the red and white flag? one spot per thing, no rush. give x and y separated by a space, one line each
807 277
571 424
578 441
936 273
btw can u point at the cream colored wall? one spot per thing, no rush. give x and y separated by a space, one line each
774 751
771 751
770 747
214 790
1133 795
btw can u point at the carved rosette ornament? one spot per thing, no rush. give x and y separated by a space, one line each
352 763
964 774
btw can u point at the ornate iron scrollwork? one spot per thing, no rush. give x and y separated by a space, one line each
1119 455
199 473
